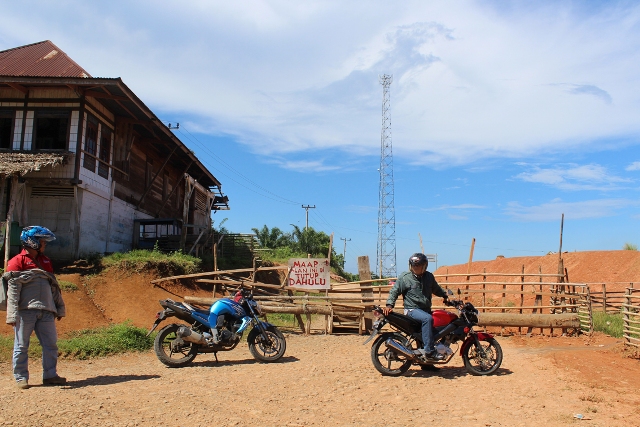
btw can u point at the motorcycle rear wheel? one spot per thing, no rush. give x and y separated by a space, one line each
484 361
386 361
170 358
267 350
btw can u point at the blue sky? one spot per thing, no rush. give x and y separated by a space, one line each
504 115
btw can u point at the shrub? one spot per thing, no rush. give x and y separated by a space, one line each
630 247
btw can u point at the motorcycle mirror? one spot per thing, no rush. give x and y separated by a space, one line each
449 292
459 291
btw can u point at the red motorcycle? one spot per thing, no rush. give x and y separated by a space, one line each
393 353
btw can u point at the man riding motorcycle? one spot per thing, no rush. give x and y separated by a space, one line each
417 287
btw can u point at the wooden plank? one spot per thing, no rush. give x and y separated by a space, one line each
208 273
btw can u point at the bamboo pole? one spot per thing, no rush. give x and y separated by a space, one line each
473 244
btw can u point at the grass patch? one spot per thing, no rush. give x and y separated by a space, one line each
88 343
67 286
610 324
282 319
140 260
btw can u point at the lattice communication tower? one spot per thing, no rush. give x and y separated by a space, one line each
386 263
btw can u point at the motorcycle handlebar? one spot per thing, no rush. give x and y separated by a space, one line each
453 303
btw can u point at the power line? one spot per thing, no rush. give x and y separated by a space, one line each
192 138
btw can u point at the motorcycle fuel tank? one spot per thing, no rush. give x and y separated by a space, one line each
442 318
227 306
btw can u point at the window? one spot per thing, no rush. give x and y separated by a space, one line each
91 143
6 122
105 152
51 130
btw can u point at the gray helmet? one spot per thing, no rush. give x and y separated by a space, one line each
418 259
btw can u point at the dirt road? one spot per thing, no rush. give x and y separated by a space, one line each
329 381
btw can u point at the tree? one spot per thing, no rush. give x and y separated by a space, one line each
271 239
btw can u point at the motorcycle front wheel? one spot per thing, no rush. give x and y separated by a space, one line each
268 348
484 359
386 361
177 356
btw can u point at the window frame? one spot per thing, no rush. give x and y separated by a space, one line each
105 157
59 114
89 162
11 115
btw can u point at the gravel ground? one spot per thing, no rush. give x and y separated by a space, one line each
330 381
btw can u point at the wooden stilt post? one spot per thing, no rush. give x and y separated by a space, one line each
7 235
364 270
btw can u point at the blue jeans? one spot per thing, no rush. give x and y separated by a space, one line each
43 323
427 327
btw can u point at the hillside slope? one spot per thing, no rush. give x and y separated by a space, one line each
608 267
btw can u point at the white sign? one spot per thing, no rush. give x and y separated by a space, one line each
309 273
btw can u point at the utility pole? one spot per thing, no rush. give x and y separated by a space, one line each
306 208
344 252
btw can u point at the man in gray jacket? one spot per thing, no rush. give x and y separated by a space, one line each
417 287
34 301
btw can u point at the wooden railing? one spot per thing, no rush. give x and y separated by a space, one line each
604 298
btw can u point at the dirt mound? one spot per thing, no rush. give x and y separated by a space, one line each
582 267
114 297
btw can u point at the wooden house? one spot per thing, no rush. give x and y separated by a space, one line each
85 157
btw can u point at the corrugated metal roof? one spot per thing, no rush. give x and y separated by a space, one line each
42 59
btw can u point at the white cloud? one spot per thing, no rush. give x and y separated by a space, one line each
283 77
635 166
306 165
574 177
464 206
553 210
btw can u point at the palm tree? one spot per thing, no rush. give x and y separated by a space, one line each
271 239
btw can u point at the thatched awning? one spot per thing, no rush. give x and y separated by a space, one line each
23 163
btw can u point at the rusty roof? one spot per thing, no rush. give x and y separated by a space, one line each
23 163
42 59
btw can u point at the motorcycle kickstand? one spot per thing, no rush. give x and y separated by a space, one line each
215 354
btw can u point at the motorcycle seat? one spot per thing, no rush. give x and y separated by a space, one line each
401 318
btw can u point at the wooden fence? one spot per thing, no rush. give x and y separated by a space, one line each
524 293
605 299
631 316
507 300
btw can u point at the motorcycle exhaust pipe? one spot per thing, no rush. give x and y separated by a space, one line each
187 334
399 348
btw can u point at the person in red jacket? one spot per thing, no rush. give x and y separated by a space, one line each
33 313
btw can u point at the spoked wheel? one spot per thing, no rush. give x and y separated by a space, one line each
484 359
386 361
269 348
170 354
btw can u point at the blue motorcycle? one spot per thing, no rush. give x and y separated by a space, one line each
177 345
